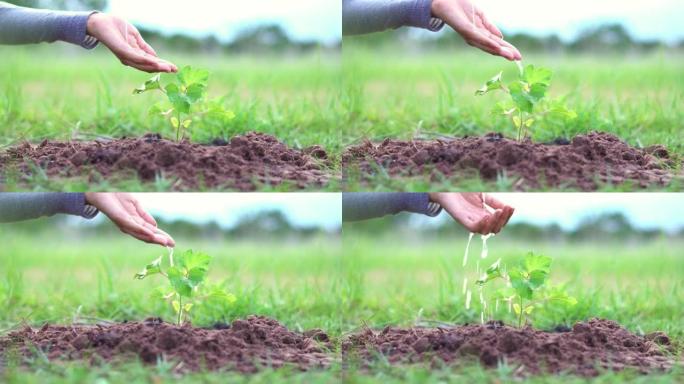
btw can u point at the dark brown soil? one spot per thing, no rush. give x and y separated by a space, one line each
583 163
243 163
245 346
582 350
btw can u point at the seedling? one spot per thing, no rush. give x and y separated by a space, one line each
528 102
186 99
526 285
186 275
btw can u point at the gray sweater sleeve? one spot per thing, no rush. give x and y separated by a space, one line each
19 25
368 205
366 16
25 206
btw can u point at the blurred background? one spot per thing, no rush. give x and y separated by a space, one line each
274 64
617 64
278 253
619 254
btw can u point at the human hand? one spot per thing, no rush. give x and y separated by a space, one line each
125 212
470 210
471 23
125 42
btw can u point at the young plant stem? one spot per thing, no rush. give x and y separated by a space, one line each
520 126
520 316
180 310
178 116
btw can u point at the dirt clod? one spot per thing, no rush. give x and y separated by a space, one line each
585 350
585 162
246 346
243 163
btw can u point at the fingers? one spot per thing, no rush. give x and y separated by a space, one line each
488 25
493 202
142 213
141 42
488 41
145 63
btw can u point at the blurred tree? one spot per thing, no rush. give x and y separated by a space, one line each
609 37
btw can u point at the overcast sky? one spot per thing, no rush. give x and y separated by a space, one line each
303 19
662 19
321 19
644 210
302 209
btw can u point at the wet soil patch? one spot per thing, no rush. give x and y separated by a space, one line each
584 349
245 345
243 163
583 163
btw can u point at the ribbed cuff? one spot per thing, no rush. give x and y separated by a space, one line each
435 24
419 14
73 30
420 203
75 204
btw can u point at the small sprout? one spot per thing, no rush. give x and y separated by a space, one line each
527 94
527 285
186 275
186 98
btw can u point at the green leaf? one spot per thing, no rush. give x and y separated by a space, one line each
187 307
195 92
160 293
516 308
537 91
516 121
537 279
557 295
529 122
191 259
504 108
149 85
557 110
534 262
150 269
520 283
174 122
196 265
186 123
177 98
520 96
505 293
189 75
491 84
493 272
176 306
180 282
537 75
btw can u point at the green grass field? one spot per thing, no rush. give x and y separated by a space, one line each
316 283
63 93
404 94
90 279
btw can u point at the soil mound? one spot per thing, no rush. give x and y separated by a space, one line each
242 163
245 345
582 163
582 350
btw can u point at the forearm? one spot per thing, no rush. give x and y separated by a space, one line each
19 25
25 206
366 16
362 206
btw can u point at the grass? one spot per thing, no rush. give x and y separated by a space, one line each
431 94
405 280
62 93
319 284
